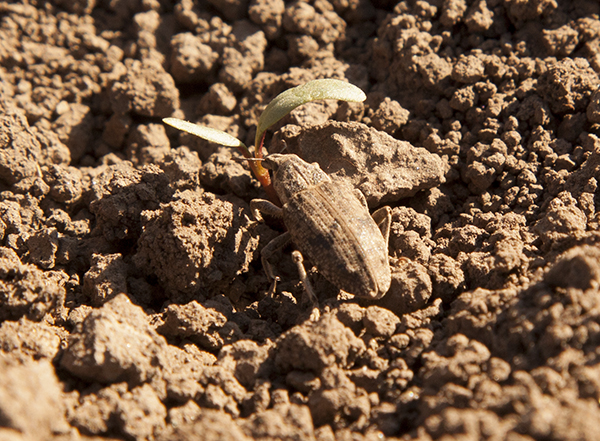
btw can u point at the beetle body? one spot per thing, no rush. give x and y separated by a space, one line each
330 223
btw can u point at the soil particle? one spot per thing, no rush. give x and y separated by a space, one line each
452 12
147 144
26 340
209 424
121 193
184 373
301 348
320 22
114 343
389 116
192 60
209 328
380 322
468 69
338 402
485 162
143 89
133 302
248 360
268 14
140 413
30 398
26 291
223 172
218 100
446 276
563 220
130 413
42 246
19 146
568 85
577 268
456 362
106 278
410 290
189 244
74 128
284 422
387 170
64 183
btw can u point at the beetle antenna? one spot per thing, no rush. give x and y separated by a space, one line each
285 146
242 160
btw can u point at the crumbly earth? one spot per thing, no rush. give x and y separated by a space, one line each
133 302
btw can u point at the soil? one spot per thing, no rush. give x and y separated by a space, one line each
133 301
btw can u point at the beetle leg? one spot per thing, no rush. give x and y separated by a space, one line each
383 219
308 289
258 206
270 249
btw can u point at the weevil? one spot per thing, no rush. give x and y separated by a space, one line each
330 223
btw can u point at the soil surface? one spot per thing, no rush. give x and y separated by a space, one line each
133 301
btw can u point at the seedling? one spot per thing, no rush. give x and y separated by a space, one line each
328 221
281 105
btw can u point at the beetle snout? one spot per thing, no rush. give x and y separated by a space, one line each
273 161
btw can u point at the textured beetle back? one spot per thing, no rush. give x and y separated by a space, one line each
332 227
293 175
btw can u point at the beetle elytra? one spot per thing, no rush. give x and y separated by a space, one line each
330 223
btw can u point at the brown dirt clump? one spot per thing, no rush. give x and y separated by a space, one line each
133 302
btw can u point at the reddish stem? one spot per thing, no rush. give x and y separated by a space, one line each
259 147
261 173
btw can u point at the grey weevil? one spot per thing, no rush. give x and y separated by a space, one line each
330 223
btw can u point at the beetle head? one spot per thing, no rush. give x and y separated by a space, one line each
291 174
